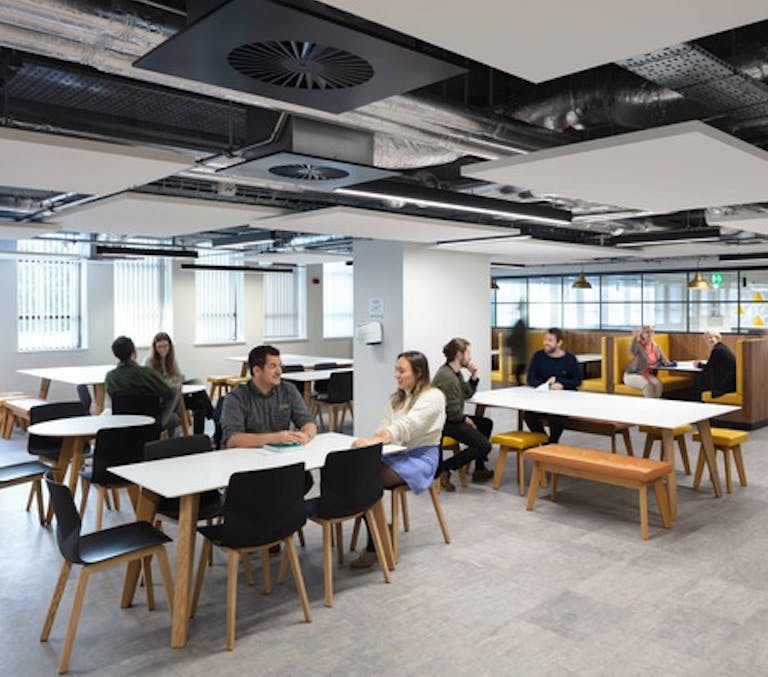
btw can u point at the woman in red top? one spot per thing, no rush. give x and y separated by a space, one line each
640 371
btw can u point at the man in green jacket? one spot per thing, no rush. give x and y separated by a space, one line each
473 431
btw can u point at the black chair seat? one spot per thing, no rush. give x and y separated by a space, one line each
126 538
312 506
108 480
211 505
18 471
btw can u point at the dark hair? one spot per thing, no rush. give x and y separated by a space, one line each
258 356
453 347
164 366
420 366
123 348
557 333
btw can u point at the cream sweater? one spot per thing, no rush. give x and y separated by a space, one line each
420 426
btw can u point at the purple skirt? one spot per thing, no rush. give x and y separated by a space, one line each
416 466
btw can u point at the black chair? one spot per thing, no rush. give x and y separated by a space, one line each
292 369
211 502
350 485
95 551
263 508
31 471
337 399
85 397
114 446
322 386
148 405
218 431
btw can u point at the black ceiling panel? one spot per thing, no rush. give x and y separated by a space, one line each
267 49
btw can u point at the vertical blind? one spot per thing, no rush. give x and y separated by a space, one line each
338 315
285 304
219 300
142 298
49 296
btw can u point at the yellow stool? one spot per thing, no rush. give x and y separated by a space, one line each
727 441
450 444
517 441
653 434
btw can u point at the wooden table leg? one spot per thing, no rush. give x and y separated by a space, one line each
668 454
307 392
244 369
45 384
145 512
386 540
99 394
185 554
705 431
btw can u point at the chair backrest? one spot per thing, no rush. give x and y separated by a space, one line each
218 430
534 340
130 403
85 397
177 446
287 368
68 524
340 387
322 386
120 446
42 446
350 481
263 506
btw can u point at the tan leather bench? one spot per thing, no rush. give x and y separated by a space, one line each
17 411
605 428
599 466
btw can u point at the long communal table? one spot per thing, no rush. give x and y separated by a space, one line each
664 414
89 375
294 359
185 477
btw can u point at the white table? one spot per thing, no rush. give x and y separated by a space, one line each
292 359
189 388
585 358
78 430
93 376
184 477
663 414
684 366
309 377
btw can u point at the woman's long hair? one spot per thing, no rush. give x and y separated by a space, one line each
170 368
420 367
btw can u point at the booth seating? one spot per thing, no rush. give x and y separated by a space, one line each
737 398
600 384
622 357
599 466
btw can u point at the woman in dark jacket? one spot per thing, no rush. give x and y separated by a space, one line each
720 365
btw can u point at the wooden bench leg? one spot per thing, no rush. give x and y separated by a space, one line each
553 492
663 502
500 461
739 460
534 486
628 442
644 511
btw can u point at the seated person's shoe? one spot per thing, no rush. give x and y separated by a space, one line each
482 475
445 481
365 561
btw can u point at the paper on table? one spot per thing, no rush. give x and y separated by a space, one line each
543 388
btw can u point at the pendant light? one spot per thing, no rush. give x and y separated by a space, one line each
697 282
581 282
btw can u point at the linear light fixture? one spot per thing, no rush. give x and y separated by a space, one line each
669 237
236 269
175 252
469 209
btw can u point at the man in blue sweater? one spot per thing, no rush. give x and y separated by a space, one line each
561 371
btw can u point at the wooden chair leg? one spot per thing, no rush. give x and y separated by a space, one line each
302 542
282 572
298 579
267 570
648 445
699 468
53 607
520 454
662 501
395 528
684 454
30 497
643 490
327 564
146 568
727 463
377 545
628 442
38 490
739 460
404 507
355 533
74 619
613 443
165 572
116 498
207 547
100 507
85 488
233 563
499 470
245 558
339 543
439 512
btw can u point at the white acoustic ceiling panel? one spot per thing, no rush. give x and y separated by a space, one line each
696 250
158 215
753 223
683 166
526 251
543 40
24 231
65 164
368 223
298 258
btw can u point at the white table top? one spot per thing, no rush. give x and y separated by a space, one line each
604 407
85 375
314 375
583 358
189 388
304 360
86 426
682 365
173 477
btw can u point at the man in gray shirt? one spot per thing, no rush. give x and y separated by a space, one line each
261 411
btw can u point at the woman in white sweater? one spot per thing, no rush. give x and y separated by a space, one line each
414 418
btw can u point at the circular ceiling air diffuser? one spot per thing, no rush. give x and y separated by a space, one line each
296 64
307 172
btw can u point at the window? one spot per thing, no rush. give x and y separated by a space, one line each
219 300
142 298
51 304
338 315
285 303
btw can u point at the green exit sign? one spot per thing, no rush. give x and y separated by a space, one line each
717 279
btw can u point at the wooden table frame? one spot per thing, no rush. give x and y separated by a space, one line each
91 375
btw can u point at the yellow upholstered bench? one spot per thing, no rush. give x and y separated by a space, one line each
599 466
653 434
727 441
622 357
517 441
599 385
